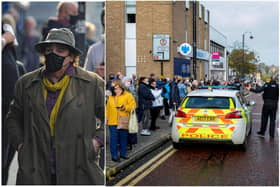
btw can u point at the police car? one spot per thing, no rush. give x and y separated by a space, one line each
221 116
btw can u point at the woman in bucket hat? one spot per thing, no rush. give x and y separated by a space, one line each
52 119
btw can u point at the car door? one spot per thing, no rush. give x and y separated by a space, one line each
246 109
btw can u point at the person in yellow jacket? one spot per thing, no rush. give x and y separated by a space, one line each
120 103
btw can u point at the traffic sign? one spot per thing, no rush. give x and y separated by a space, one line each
161 45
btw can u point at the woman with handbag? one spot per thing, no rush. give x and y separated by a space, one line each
118 108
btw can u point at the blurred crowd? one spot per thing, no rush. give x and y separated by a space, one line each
27 33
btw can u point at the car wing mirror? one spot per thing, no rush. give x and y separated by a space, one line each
251 103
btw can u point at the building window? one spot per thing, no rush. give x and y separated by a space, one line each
200 11
206 15
130 3
130 11
131 18
187 3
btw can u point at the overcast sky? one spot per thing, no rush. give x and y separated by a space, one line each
233 18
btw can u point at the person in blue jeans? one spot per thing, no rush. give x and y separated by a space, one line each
119 104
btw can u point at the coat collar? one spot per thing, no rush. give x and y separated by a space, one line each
34 80
38 76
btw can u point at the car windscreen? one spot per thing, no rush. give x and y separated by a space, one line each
208 102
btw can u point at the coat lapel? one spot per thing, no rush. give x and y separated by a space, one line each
74 87
35 93
69 95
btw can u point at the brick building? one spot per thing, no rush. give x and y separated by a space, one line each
131 29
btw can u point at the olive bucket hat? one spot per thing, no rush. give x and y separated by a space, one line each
59 36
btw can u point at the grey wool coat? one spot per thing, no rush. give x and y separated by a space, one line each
28 123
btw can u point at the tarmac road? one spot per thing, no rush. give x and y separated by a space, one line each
218 164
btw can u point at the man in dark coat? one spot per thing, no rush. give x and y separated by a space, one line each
145 98
270 101
66 11
174 98
52 122
9 78
174 93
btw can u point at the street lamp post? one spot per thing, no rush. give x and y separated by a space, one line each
243 55
194 39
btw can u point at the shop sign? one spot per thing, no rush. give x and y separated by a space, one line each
216 55
185 49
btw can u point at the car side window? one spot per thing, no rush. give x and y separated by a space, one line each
240 99
243 99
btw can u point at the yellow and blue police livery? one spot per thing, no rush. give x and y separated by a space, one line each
212 115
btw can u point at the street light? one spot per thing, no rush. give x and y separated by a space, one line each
243 57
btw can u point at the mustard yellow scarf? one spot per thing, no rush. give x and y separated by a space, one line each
49 86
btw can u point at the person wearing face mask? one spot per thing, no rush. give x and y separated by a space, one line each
66 17
145 103
119 104
52 120
201 82
129 86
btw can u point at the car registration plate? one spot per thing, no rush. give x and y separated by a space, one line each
205 118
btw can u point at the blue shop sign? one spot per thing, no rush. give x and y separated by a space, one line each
202 54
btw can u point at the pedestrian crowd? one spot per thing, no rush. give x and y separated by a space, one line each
152 97
158 97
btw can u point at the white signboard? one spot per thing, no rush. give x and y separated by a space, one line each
161 45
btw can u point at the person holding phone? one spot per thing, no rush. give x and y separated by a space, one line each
119 104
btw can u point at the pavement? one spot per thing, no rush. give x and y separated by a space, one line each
145 145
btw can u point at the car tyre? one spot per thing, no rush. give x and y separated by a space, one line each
243 147
250 131
177 145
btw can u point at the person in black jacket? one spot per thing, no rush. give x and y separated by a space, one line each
145 98
270 98
174 93
174 100
66 13
9 78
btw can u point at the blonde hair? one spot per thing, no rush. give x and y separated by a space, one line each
119 83
90 30
9 19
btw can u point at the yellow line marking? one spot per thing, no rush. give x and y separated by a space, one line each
143 167
149 170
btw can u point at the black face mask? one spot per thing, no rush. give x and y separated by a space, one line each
74 19
54 62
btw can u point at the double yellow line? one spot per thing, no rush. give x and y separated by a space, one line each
147 168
